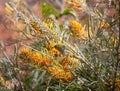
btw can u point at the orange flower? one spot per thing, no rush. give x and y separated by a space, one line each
47 62
30 57
70 63
51 45
104 25
78 30
66 60
55 52
68 76
67 67
35 25
59 74
34 58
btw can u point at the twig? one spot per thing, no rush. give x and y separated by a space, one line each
118 59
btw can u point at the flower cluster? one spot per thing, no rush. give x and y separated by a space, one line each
53 51
34 58
78 30
70 63
59 74
36 27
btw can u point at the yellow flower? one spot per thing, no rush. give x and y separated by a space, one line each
67 67
55 52
66 60
68 76
70 63
51 45
34 58
47 62
35 25
104 25
53 70
59 74
30 57
78 30
75 63
51 25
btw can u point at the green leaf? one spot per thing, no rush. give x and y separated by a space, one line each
67 12
48 10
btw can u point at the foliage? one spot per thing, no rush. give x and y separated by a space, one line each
71 56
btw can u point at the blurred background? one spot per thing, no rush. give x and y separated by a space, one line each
6 24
